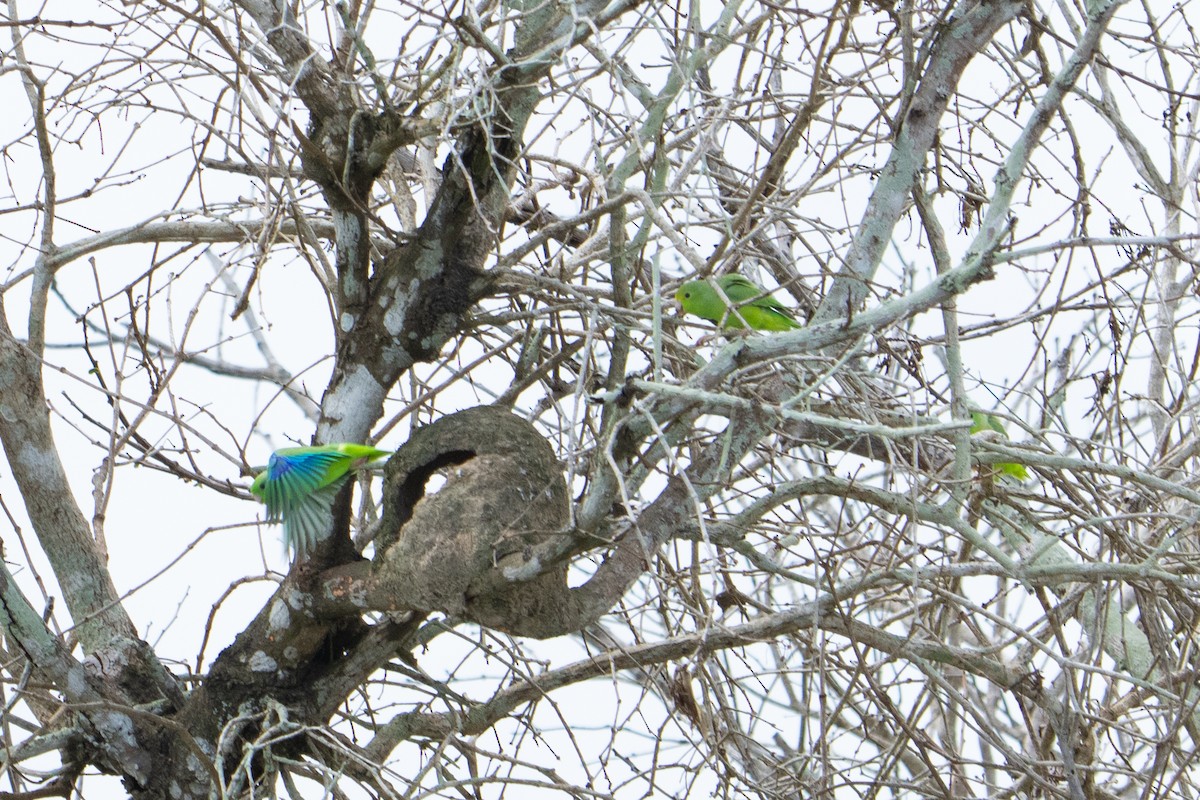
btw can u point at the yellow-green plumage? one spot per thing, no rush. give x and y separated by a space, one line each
299 485
753 307
983 421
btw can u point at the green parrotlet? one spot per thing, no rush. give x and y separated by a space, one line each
983 421
299 485
752 306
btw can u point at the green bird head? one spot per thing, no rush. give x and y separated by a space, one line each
256 488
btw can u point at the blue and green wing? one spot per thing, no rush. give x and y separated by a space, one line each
300 484
292 475
307 522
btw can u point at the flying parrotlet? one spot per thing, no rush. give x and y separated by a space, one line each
752 305
983 421
299 485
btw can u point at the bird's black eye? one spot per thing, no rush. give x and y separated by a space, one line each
687 295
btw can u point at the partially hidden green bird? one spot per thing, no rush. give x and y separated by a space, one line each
753 306
299 485
983 421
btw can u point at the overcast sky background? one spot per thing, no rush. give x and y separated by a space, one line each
176 548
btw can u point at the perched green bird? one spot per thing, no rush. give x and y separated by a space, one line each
983 421
299 485
752 305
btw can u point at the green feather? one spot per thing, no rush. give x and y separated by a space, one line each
300 484
753 307
983 421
